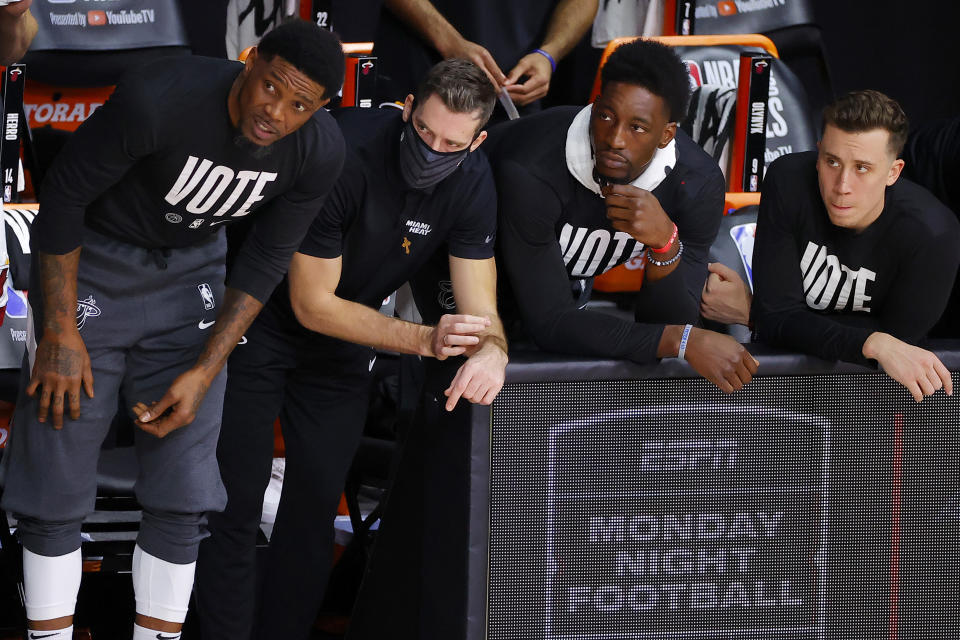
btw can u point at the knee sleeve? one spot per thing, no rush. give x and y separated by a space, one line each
50 584
162 589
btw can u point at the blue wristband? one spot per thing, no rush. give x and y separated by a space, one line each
553 63
683 341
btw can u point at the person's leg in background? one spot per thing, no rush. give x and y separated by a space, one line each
226 570
322 418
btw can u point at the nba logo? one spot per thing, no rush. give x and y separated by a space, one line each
207 294
693 70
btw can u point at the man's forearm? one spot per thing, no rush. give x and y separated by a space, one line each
570 20
239 311
16 33
58 285
424 18
495 336
357 323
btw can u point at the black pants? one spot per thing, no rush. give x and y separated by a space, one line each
319 387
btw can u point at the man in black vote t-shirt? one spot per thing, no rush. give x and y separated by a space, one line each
182 147
583 190
410 185
851 261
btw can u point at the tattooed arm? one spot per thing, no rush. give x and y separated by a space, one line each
180 403
61 363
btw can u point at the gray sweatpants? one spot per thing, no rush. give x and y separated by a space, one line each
144 317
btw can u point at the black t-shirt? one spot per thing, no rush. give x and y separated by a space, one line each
386 231
160 166
553 229
823 289
508 29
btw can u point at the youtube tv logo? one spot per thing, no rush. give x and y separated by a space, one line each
727 8
96 18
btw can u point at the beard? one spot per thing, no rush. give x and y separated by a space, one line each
603 180
258 151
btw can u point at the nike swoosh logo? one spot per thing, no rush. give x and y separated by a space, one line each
370 368
160 637
206 325
243 340
34 636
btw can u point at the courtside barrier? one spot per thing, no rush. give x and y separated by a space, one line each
611 500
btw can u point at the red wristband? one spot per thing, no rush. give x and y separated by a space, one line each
669 244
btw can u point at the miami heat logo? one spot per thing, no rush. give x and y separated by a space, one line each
86 308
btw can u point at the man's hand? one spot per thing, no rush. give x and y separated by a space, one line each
637 212
720 359
538 72
919 370
61 367
16 9
726 298
454 334
480 378
460 47
178 406
17 29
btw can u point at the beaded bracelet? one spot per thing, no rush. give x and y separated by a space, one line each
666 263
553 63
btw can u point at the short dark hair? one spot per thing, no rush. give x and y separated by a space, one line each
866 110
654 66
462 86
316 52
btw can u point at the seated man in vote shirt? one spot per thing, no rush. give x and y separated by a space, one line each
851 261
583 190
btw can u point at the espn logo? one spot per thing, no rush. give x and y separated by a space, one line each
96 18
727 8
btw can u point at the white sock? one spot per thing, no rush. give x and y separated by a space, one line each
50 584
142 633
52 634
162 589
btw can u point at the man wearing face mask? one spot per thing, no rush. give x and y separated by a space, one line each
583 190
411 184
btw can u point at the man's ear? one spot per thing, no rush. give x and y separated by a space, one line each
895 169
407 107
478 141
250 60
668 134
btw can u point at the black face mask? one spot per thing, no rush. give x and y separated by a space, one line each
421 166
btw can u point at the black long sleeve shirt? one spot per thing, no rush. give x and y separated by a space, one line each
161 166
553 229
823 289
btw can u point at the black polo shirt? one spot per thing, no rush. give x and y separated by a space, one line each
384 230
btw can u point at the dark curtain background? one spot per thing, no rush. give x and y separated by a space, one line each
908 50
